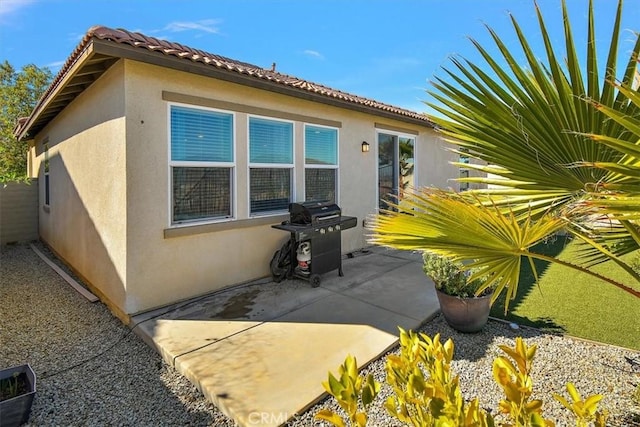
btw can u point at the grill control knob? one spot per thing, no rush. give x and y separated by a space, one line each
338 227
322 231
330 229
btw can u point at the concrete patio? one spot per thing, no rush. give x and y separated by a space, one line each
260 351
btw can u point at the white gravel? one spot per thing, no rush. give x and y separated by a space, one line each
593 368
91 371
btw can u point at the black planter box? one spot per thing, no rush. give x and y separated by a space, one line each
15 411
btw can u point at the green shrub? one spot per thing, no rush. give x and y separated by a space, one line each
586 411
353 393
435 399
426 393
450 277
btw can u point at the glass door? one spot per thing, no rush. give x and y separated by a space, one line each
395 167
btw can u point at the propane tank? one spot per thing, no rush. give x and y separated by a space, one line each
303 255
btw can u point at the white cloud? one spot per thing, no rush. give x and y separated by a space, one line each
313 54
7 7
55 65
205 25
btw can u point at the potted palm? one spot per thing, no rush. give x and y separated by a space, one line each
17 389
464 301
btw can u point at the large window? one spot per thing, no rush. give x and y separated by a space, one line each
321 163
395 167
202 164
270 165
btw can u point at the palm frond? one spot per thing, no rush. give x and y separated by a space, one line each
461 228
528 118
559 134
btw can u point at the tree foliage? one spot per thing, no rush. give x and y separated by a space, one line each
19 91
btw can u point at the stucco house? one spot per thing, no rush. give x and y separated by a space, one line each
161 168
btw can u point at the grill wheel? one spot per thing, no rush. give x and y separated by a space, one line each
314 280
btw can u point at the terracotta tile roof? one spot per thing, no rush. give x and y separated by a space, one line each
171 49
187 53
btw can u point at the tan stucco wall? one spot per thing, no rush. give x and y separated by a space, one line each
86 220
162 270
434 162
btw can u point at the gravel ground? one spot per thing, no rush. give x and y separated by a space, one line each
91 371
592 367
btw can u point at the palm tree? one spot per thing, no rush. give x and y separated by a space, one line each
563 143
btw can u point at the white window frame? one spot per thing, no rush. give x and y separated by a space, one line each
464 186
336 167
250 165
230 165
397 149
47 176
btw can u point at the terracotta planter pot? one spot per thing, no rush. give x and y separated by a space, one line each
15 411
465 314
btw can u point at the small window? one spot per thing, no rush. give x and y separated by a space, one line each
464 173
202 164
321 163
47 181
464 155
270 165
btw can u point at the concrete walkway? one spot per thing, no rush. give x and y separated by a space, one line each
261 351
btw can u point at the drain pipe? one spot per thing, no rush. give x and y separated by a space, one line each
75 285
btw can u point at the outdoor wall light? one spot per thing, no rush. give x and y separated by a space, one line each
365 147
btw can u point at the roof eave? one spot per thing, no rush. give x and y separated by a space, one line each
95 46
86 53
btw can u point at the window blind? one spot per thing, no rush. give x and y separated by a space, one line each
200 135
270 141
321 145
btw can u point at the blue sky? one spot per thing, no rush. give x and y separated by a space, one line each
382 49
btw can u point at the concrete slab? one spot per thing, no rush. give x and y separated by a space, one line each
173 338
338 309
261 351
360 269
408 255
187 326
256 301
267 374
405 290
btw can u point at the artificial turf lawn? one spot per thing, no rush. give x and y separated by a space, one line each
574 303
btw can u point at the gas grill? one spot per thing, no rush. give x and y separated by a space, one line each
315 245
